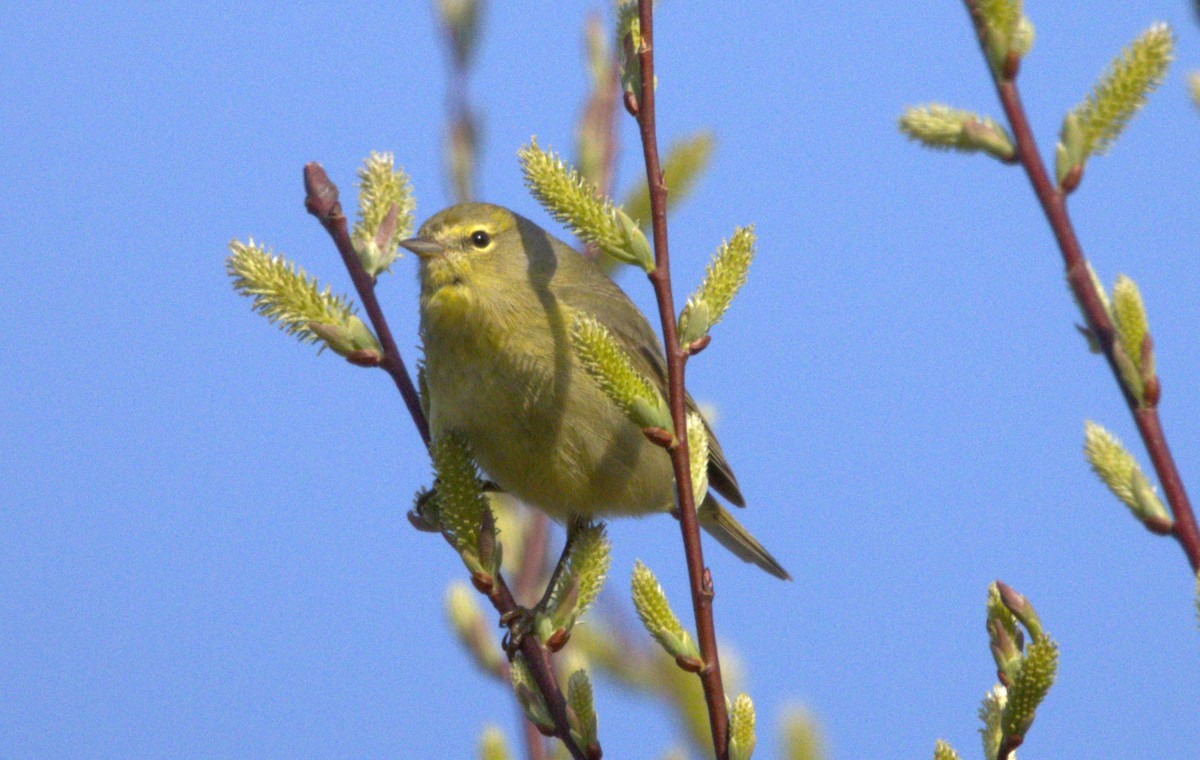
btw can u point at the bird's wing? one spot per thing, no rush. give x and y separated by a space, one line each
591 291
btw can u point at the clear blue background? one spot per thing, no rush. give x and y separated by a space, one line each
203 549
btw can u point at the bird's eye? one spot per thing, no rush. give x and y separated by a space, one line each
480 239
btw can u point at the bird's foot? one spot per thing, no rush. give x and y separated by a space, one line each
520 623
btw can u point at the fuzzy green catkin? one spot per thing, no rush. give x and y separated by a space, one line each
1110 461
1038 670
697 437
1002 16
723 277
613 371
380 185
283 293
1122 90
741 728
1007 32
1129 318
990 711
466 618
943 751
726 273
460 493
591 556
571 199
799 735
579 698
941 127
492 745
656 615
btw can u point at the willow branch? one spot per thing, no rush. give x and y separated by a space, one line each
321 200
1054 205
698 575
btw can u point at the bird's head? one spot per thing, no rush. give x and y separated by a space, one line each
477 255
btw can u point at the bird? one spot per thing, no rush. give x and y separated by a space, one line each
498 297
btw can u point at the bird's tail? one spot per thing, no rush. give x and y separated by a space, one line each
729 532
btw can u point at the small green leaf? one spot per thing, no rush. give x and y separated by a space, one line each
629 44
531 700
634 244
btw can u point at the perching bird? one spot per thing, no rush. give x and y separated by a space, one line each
498 298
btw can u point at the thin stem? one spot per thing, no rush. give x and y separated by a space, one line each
698 575
321 200
1054 205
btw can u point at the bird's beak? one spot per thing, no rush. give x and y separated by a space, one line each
424 247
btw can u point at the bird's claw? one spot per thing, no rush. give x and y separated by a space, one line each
520 623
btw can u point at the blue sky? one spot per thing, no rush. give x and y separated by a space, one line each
203 549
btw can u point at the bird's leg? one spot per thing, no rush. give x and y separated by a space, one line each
520 621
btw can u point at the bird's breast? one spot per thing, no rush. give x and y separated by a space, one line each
536 423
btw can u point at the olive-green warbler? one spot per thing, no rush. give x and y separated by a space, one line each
498 297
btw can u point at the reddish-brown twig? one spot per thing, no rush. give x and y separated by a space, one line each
1054 205
321 200
698 575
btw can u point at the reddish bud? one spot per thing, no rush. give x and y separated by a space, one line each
698 345
483 583
1073 178
558 640
659 437
1161 526
631 104
365 357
